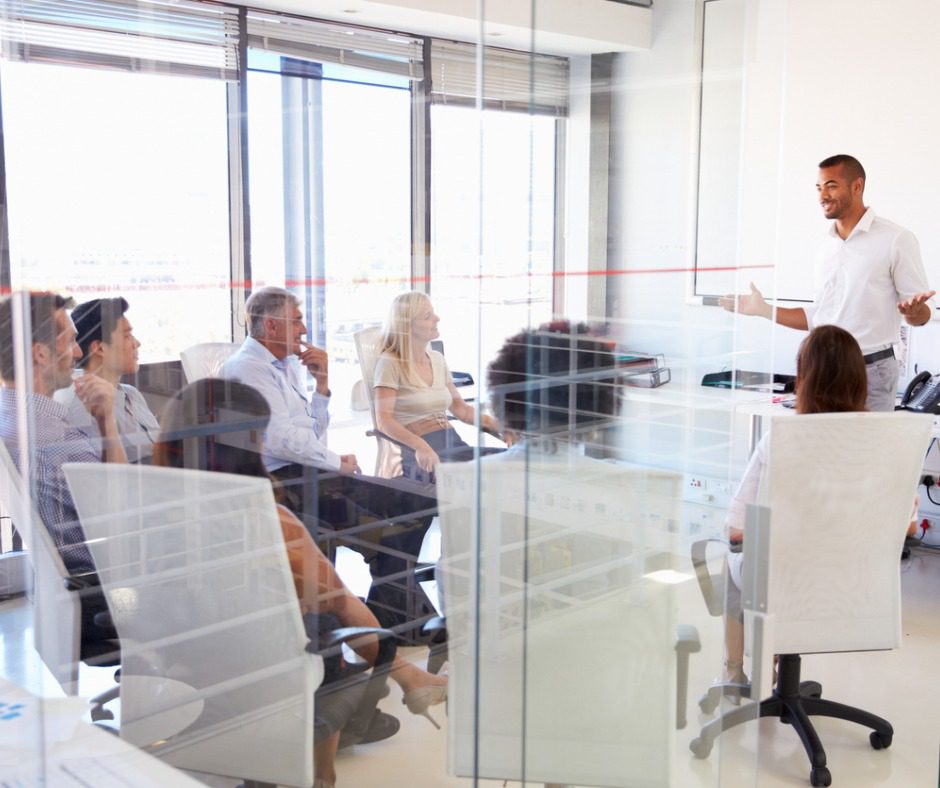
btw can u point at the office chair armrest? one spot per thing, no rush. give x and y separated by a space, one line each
377 433
333 640
435 628
712 592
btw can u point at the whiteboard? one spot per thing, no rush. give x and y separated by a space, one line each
816 78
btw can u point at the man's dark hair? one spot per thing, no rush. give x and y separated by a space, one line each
214 425
95 321
42 308
852 166
536 372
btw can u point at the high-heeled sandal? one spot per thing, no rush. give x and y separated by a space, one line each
420 699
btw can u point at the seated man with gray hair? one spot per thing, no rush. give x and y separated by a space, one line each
324 488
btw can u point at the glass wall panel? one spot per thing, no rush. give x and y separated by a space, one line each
561 533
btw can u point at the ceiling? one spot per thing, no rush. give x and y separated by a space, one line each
562 27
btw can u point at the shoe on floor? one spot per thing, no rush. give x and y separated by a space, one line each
381 726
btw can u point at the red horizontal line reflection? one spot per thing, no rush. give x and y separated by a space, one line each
361 281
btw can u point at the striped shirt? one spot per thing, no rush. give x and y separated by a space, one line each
54 443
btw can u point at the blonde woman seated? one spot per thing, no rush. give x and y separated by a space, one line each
414 390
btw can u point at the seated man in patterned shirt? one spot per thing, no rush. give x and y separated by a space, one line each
50 359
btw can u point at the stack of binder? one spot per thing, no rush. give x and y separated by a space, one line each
645 370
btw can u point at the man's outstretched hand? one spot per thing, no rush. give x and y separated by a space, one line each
752 303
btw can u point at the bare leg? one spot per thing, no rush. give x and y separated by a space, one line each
734 649
322 590
324 759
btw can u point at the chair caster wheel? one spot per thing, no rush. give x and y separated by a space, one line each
820 776
701 748
810 689
709 702
880 741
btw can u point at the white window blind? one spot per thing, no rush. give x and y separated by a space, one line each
512 80
389 53
163 36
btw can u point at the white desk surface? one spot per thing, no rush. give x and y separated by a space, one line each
44 742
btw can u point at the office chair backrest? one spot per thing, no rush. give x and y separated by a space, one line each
388 457
546 571
205 360
840 491
56 610
196 574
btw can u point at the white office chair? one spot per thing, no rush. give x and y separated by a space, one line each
56 604
388 456
821 561
205 360
566 673
215 675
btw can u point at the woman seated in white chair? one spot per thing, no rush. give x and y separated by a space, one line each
238 415
414 390
830 378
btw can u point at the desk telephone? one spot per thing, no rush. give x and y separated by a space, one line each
922 394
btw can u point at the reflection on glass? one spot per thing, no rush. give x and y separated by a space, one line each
558 631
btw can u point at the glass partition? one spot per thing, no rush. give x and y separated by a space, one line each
527 478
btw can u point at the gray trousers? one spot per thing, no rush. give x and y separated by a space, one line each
882 384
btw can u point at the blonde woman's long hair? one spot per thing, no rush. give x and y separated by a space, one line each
396 333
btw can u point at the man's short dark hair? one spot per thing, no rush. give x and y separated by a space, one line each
852 166
42 309
535 373
95 321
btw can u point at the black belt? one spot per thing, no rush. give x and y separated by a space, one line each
871 358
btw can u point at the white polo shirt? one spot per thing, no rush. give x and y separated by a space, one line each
860 280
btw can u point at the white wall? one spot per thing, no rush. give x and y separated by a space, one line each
653 206
818 78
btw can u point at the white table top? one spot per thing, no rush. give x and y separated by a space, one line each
44 742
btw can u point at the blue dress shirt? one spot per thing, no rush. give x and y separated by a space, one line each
297 430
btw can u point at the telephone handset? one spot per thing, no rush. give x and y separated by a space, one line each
922 394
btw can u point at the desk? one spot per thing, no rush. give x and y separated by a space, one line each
45 742
685 426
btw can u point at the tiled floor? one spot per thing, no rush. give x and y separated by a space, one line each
900 685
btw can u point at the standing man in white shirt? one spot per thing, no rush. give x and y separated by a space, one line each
109 350
383 519
869 274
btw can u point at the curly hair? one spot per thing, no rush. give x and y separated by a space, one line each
558 375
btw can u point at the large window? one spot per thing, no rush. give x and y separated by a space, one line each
330 193
117 184
508 262
124 175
